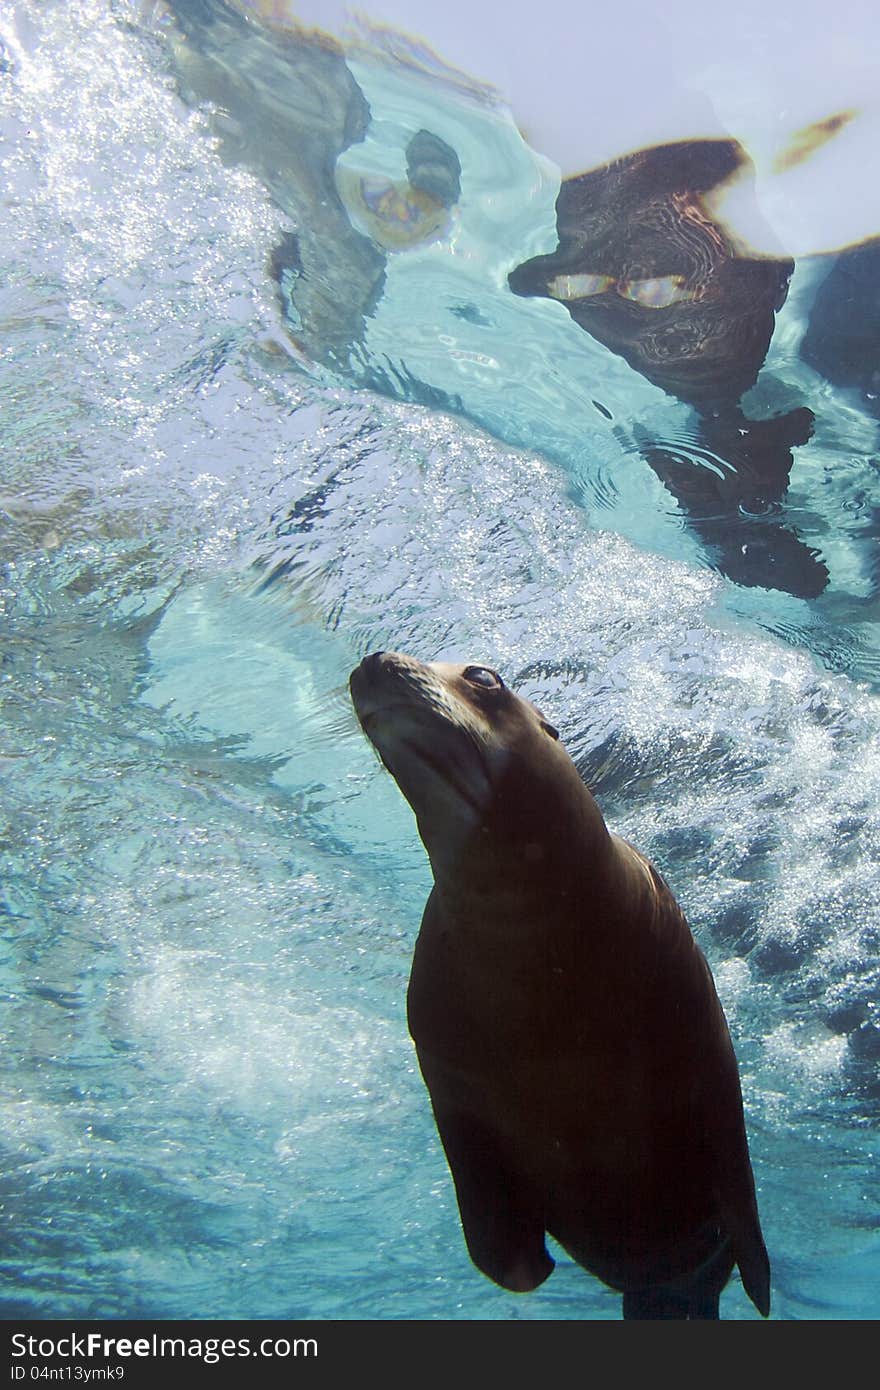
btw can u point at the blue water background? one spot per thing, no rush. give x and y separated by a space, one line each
210 890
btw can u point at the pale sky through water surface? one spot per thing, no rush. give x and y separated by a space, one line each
587 83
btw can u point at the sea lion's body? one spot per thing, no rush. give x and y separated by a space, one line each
578 1060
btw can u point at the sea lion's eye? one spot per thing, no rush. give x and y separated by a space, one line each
483 677
549 729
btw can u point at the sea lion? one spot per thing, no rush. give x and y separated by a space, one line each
578 1060
647 269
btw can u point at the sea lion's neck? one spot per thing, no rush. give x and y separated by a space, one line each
517 865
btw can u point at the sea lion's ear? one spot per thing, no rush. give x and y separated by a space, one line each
549 729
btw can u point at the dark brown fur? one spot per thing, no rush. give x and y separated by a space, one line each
567 1027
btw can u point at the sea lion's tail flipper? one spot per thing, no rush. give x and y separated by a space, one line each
743 1226
737 1200
659 1304
751 1255
694 1295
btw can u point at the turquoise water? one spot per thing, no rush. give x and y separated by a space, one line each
223 482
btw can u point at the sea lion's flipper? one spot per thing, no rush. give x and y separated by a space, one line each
654 1304
739 1207
693 1295
750 1254
500 1218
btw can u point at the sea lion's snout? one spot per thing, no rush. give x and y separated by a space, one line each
367 671
388 691
429 737
372 661
372 683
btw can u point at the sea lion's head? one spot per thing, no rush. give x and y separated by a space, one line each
482 768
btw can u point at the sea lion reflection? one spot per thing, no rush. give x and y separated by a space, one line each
645 268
